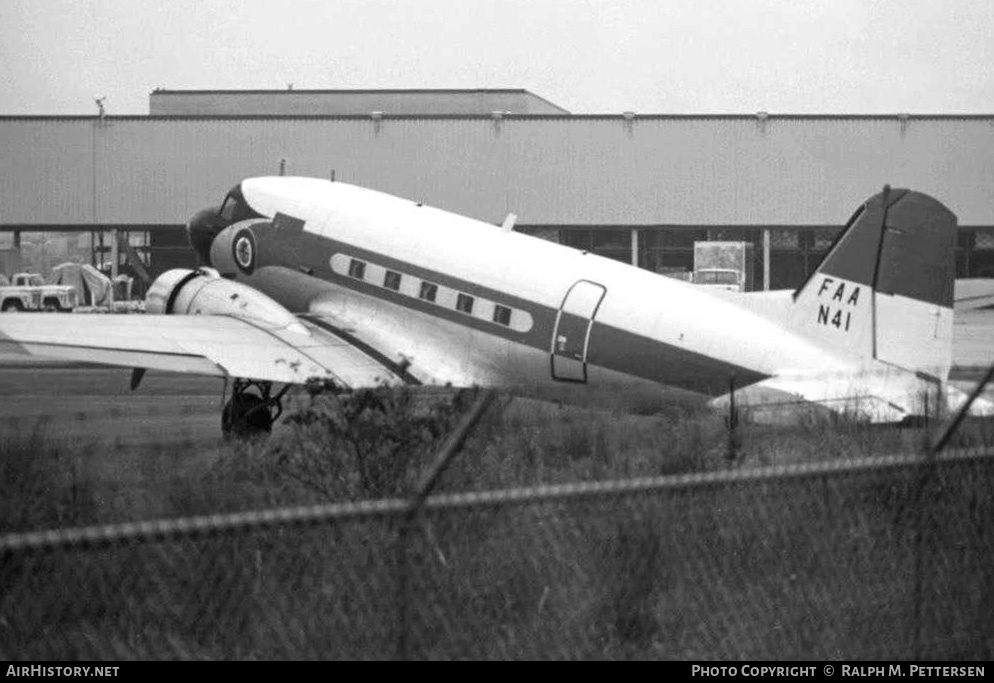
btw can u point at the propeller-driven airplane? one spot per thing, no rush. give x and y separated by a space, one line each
307 279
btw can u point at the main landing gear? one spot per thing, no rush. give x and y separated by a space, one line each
252 408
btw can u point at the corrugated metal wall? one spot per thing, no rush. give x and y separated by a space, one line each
46 172
550 171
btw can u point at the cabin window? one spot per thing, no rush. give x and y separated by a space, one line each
464 303
357 269
502 315
429 291
392 280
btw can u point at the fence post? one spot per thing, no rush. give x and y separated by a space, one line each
415 505
961 415
732 421
931 454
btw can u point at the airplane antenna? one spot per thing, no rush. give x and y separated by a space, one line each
101 112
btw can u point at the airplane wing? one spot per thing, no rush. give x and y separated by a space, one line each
213 345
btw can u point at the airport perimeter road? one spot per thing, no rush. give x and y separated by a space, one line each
97 404
973 338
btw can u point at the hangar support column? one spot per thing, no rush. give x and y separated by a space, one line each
17 262
115 256
766 259
10 259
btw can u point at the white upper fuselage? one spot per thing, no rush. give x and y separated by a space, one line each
646 327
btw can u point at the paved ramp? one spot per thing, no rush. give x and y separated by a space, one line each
96 405
973 339
974 294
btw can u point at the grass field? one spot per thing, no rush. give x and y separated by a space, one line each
160 454
880 564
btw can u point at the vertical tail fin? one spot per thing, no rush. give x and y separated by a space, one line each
885 289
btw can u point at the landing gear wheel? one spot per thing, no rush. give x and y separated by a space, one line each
248 413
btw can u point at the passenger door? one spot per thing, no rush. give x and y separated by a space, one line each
571 334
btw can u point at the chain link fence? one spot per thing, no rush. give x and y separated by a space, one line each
883 558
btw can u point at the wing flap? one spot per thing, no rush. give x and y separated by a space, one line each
355 366
415 346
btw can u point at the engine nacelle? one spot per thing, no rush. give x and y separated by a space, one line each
205 292
235 250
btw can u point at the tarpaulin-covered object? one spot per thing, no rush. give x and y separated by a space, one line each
93 288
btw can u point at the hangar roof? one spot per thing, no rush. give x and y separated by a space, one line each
346 102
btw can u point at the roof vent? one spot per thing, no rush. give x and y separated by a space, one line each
903 118
761 118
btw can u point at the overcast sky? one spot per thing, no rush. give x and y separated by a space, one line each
589 56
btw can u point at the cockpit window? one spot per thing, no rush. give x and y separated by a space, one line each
228 207
235 208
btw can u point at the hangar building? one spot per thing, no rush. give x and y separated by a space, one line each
641 188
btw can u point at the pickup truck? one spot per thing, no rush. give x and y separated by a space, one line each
28 292
19 298
719 278
723 265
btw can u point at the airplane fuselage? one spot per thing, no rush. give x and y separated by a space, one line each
346 285
477 304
